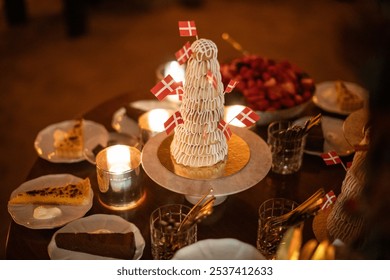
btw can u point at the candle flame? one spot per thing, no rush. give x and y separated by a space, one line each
174 69
157 118
118 158
231 112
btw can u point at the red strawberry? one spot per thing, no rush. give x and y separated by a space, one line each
270 82
262 105
306 95
287 102
298 99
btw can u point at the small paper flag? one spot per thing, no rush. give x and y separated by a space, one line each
224 127
232 84
328 200
211 78
184 53
331 158
173 121
179 90
164 87
247 116
187 28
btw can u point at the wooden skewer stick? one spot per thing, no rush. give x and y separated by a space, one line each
234 43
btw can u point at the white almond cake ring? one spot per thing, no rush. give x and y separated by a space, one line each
199 149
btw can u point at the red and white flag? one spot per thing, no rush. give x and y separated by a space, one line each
211 78
331 158
164 87
187 28
224 127
232 84
184 53
178 91
328 200
173 121
247 116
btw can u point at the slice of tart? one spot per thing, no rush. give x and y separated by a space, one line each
70 143
114 245
347 100
69 194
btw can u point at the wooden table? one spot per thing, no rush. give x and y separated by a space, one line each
234 218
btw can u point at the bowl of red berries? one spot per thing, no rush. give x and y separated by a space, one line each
275 90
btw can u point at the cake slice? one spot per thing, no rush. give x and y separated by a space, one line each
69 194
346 99
113 245
70 143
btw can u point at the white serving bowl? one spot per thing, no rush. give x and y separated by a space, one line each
266 117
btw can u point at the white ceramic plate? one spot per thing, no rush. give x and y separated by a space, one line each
23 214
219 249
334 140
325 96
110 223
44 142
124 124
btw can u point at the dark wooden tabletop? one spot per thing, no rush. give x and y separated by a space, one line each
236 217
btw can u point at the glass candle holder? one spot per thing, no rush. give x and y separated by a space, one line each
119 177
152 123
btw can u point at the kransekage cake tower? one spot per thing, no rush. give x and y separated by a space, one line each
199 149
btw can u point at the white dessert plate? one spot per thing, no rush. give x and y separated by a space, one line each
37 216
147 105
124 124
93 223
325 96
219 249
44 142
334 140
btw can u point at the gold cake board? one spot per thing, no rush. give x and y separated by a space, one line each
249 164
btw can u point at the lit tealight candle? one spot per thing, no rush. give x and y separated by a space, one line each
152 122
118 159
231 112
177 72
118 175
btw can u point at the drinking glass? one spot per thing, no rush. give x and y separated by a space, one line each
166 238
268 238
287 149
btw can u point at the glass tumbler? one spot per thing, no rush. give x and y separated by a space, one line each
286 150
268 238
166 238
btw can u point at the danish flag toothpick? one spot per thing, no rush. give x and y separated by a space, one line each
211 78
328 200
224 127
184 53
232 84
173 121
247 116
332 158
187 28
179 90
164 87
